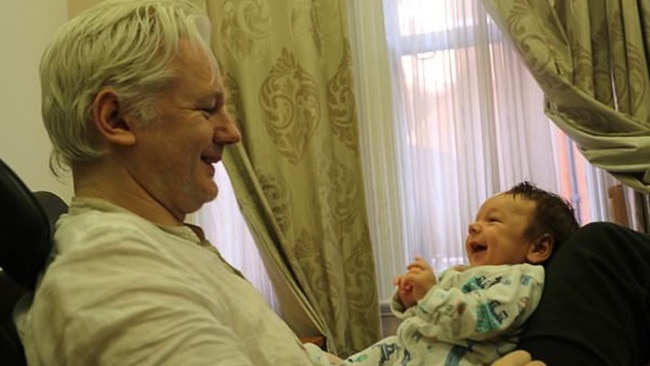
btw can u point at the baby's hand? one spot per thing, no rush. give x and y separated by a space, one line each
419 265
415 283
404 291
421 277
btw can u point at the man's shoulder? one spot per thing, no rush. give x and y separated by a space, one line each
90 229
107 250
91 220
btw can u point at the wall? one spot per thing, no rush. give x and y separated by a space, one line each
75 6
25 27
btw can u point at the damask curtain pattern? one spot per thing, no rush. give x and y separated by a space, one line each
297 176
591 59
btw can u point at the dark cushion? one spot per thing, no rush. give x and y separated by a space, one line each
25 241
26 225
11 351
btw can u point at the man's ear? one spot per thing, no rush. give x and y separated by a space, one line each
540 249
110 120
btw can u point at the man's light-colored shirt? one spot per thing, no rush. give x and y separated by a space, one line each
121 290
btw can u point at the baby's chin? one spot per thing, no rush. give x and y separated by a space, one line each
478 259
482 262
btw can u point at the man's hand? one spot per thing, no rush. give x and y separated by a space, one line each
517 358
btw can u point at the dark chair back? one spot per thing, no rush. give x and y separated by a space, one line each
26 225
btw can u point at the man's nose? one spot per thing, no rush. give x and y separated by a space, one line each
226 131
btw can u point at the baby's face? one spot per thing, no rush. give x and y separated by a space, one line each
497 234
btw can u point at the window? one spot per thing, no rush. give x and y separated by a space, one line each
468 122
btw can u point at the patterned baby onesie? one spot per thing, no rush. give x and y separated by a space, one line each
471 317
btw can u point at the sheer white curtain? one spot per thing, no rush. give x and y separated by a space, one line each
449 117
226 229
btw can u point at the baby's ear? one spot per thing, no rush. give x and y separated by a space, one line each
540 249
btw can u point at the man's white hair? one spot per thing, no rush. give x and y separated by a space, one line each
125 45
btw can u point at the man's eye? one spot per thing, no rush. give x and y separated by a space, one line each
208 111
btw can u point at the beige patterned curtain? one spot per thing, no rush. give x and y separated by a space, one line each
297 174
591 59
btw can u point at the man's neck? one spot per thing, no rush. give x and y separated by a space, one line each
113 183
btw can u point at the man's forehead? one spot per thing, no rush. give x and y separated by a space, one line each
194 61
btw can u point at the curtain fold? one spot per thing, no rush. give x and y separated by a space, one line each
296 173
591 60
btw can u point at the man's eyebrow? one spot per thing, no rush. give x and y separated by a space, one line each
217 96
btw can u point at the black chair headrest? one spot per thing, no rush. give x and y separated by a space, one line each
25 227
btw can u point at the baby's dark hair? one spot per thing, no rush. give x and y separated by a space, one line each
553 214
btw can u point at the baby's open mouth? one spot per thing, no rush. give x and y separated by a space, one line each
478 247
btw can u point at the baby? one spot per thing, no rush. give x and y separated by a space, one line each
473 315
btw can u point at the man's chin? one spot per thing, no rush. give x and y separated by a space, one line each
199 200
213 194
210 195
